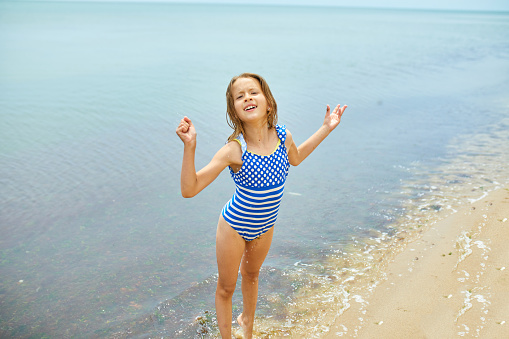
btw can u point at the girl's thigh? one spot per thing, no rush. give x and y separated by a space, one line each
255 252
229 251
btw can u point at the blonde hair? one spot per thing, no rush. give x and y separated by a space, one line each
231 115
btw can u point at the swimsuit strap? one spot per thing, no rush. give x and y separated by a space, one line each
242 143
281 133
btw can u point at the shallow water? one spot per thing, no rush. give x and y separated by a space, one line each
96 240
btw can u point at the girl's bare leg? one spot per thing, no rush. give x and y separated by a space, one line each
229 250
254 255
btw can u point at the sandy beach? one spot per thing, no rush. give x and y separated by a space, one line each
452 282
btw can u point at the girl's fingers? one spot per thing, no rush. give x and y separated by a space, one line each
183 127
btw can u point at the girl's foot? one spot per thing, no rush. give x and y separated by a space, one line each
240 321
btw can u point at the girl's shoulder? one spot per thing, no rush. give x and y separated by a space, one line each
234 146
239 140
231 153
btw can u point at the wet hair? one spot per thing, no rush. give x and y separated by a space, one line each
231 115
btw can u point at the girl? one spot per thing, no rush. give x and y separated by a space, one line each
258 154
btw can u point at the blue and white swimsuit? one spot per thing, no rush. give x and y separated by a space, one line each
260 183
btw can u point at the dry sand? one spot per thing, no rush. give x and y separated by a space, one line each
453 282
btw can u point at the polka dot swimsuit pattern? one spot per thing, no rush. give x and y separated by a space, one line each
260 182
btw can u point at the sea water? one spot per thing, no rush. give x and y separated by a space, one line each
96 240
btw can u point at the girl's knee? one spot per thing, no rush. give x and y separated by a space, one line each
250 275
225 290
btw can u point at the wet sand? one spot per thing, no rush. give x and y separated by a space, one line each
452 282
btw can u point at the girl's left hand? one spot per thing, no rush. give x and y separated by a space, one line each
333 119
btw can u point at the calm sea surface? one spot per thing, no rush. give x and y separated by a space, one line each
96 240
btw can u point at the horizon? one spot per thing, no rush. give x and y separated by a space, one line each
432 5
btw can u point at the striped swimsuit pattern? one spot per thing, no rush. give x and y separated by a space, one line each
260 183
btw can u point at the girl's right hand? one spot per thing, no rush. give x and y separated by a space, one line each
186 132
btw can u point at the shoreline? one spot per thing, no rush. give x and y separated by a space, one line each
452 281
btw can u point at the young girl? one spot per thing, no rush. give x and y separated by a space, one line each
258 154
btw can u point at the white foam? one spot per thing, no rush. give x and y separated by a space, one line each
463 242
481 197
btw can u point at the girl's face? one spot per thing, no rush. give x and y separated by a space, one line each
250 103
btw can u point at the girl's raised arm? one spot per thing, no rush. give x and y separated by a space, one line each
297 154
192 182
